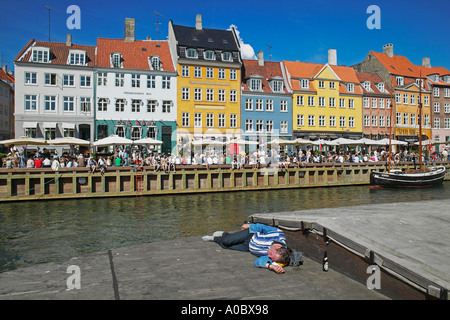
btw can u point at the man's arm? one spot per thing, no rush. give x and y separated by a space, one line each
266 263
258 227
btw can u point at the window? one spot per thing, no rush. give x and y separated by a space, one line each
447 123
277 85
102 78
321 84
69 132
321 121
102 104
405 98
166 106
398 118
210 120
120 79
30 102
382 121
248 104
332 85
135 80
198 120
300 120
436 91
332 102
400 81
221 95
233 120
412 99
30 78
209 94
311 121
50 103
185 71
68 103
221 75
304 83
50 133
221 120
155 63
398 97
341 103
136 132
209 55
342 122
116 60
50 79
351 103
197 72
437 123
382 101
233 74
41 55
151 82
185 119
269 126
85 81
166 82
436 108
30 132
447 108
151 132
374 121
366 102
209 73
233 96
255 84
249 125
311 101
120 105
259 125
226 56
259 105
151 105
120 131
269 105
85 105
350 87
283 106
184 93
300 100
366 120
447 92
77 58
332 121
351 122
197 94
191 53
426 101
380 86
426 120
321 101
412 119
283 126
135 105
374 102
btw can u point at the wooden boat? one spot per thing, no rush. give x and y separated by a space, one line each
417 177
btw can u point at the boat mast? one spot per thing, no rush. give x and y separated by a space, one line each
420 122
390 125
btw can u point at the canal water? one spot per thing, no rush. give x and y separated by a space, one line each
43 231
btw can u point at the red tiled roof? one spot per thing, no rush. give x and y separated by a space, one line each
374 79
59 52
270 70
5 76
134 54
398 65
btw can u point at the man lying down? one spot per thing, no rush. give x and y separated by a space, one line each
265 242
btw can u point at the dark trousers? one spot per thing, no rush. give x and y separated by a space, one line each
235 241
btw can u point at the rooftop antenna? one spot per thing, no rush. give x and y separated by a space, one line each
49 9
270 55
157 23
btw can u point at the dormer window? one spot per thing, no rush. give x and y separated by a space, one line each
192 53
116 60
77 58
400 81
276 85
366 85
210 55
350 87
304 83
255 84
381 87
226 56
41 55
155 63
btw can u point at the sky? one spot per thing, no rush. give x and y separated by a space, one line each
301 30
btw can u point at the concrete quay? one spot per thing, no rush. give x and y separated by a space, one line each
408 241
181 269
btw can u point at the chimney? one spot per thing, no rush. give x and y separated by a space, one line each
332 57
69 40
261 58
388 49
129 30
198 22
426 62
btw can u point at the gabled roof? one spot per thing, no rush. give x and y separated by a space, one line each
59 52
441 71
270 70
135 54
398 65
6 76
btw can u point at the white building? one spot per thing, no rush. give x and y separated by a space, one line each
55 90
136 87
6 104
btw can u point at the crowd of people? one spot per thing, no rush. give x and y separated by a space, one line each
167 163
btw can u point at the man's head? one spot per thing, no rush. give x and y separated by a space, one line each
279 253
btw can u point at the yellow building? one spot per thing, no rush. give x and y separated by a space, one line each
327 101
208 86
